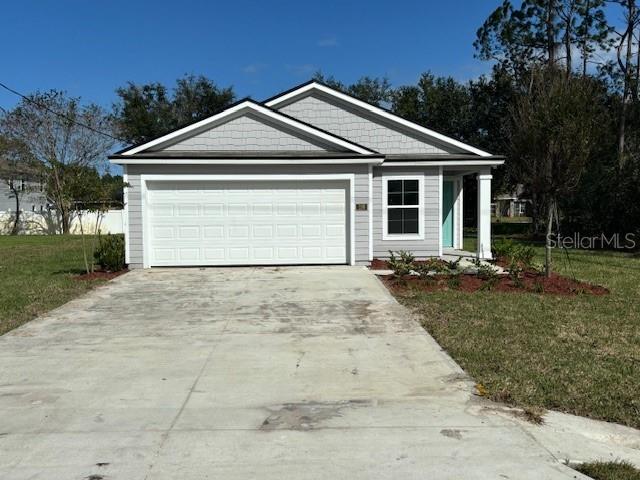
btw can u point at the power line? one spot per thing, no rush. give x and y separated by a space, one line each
61 115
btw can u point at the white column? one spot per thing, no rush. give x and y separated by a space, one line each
484 214
461 213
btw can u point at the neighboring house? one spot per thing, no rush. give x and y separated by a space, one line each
310 176
32 199
512 204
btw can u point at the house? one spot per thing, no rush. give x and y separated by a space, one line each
32 198
512 204
310 176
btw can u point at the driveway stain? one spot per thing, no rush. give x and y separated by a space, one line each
452 433
307 415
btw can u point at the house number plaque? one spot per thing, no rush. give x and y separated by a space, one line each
362 207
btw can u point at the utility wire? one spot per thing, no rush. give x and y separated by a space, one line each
62 115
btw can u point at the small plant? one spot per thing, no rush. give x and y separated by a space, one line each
453 264
110 253
503 248
515 271
431 266
454 281
402 264
487 273
538 287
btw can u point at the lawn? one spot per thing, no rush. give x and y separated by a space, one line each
37 275
578 354
610 471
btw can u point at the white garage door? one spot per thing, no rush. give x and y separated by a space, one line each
246 223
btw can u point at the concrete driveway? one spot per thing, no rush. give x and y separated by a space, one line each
265 373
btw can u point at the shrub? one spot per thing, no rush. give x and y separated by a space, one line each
431 265
402 264
487 273
454 281
503 248
110 253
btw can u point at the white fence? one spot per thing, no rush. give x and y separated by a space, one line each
47 223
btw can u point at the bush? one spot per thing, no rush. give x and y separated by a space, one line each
431 265
402 264
110 253
515 254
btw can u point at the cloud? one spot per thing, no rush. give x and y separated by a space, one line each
328 42
253 68
305 69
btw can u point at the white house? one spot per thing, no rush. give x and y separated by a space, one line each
310 176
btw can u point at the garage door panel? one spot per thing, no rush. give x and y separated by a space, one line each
213 223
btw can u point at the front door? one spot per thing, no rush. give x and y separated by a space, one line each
447 214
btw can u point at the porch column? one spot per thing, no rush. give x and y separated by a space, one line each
484 214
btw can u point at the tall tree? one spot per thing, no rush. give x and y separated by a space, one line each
629 72
534 33
63 137
439 102
374 90
553 136
148 111
592 32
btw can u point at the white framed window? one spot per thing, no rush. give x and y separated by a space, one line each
403 207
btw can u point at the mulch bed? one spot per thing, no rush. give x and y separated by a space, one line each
100 275
530 283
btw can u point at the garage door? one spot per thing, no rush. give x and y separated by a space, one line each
246 223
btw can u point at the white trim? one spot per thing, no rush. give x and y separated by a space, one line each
454 179
440 203
292 123
237 161
445 163
385 208
125 216
376 111
350 177
370 208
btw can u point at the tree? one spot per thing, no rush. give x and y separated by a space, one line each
92 195
438 102
62 137
534 33
374 90
630 74
148 111
553 136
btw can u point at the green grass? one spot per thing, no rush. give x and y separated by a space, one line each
578 354
610 471
36 275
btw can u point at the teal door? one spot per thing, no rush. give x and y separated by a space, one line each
447 214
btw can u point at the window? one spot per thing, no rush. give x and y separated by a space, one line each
403 208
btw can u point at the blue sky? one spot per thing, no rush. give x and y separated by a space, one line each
89 48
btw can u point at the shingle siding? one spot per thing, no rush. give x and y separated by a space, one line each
245 133
430 246
342 120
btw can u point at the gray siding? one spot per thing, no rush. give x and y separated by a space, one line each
30 201
245 133
429 247
136 241
342 120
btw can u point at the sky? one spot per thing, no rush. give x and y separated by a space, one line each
89 48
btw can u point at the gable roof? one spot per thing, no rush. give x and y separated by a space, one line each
308 88
248 106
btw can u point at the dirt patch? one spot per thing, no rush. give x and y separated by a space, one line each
529 283
99 275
